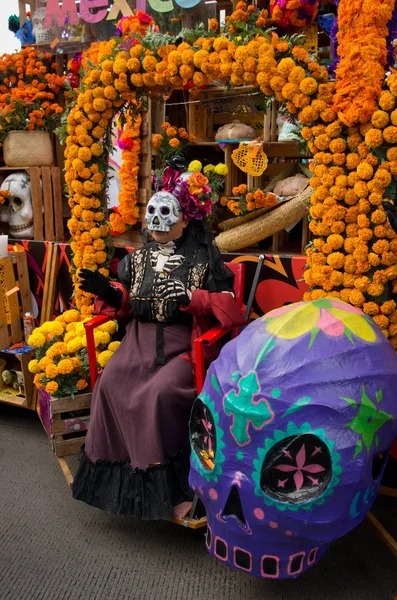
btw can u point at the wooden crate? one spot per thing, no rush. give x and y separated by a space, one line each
8 394
15 297
65 421
46 189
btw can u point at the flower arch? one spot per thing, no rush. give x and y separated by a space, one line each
149 64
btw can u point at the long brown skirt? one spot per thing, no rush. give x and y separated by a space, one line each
136 457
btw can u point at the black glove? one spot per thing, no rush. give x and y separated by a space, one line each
173 289
391 212
93 282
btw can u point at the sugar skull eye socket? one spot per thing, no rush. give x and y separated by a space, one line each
297 469
165 211
150 209
203 434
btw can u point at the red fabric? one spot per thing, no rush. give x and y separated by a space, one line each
208 309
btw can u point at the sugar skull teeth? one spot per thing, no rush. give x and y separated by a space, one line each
290 435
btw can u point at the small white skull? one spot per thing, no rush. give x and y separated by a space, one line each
19 212
162 212
42 35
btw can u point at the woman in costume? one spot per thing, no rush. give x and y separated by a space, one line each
136 455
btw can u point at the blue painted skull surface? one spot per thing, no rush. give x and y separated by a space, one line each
290 435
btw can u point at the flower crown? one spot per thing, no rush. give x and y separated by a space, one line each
191 190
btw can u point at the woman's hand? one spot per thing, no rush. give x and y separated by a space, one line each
173 289
93 282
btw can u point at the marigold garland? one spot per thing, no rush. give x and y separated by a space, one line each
354 253
363 55
127 211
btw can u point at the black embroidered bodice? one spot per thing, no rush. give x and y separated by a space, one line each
137 272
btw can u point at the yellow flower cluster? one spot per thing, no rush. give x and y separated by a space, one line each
354 253
61 363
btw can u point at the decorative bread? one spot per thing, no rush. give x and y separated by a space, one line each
235 131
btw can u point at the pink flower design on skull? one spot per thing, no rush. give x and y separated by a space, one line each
300 469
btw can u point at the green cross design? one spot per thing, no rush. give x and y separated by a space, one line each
244 410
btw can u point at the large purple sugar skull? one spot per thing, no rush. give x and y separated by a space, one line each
290 435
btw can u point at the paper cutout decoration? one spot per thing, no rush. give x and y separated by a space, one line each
290 435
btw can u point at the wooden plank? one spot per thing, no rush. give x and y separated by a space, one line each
383 533
65 470
13 301
305 233
22 11
48 204
19 258
37 203
43 316
142 196
388 491
230 165
69 404
61 426
190 523
68 447
57 201
14 400
282 150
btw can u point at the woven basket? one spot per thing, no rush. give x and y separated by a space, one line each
266 225
28 149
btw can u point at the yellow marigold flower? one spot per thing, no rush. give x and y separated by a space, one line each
84 154
383 177
195 166
113 346
308 85
120 66
356 298
374 138
174 142
96 149
99 104
392 154
36 340
33 366
109 327
297 75
365 171
75 345
37 380
71 316
65 366
390 134
335 241
51 371
380 119
388 307
104 357
387 101
221 169
336 260
82 384
322 142
375 289
51 387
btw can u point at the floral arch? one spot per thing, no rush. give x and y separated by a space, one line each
350 127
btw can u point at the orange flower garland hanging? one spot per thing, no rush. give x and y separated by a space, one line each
362 48
127 212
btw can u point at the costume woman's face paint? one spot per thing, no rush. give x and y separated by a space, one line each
162 212
290 435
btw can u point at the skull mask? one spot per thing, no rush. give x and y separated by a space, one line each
162 212
290 435
19 212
